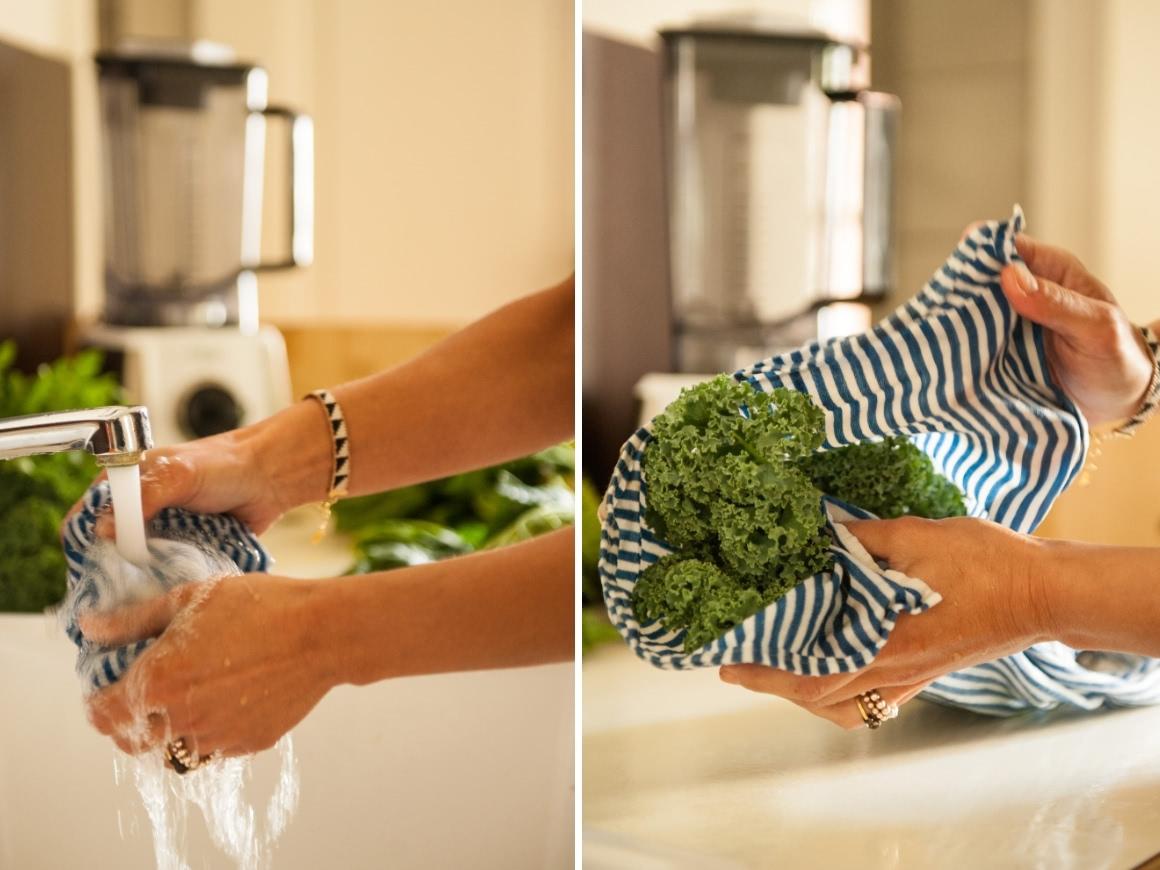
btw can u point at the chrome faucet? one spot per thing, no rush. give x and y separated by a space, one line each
114 435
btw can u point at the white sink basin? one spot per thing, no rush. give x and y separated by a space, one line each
463 770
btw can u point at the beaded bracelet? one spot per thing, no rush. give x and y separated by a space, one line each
340 468
1127 429
1152 397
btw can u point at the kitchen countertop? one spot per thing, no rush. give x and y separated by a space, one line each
289 542
681 770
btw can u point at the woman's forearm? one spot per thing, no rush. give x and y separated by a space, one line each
1102 597
502 608
499 389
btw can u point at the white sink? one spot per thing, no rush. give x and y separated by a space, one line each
463 770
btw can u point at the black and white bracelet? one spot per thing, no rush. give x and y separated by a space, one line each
340 467
1152 397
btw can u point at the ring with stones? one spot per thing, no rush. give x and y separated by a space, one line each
874 709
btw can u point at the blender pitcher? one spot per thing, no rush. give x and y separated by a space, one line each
184 148
779 164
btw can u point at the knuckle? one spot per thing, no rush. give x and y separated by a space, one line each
1107 318
811 691
910 525
169 474
906 676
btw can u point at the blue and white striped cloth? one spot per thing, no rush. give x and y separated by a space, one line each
186 547
964 377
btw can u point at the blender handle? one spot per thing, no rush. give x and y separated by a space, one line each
301 249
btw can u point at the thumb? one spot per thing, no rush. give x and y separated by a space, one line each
135 621
1073 316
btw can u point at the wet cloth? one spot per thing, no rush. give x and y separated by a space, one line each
186 548
966 379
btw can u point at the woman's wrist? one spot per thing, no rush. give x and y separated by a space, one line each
1069 585
294 453
1032 619
356 622
323 621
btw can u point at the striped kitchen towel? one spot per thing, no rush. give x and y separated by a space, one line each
964 377
186 548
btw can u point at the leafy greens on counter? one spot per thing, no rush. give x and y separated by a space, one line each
491 507
595 628
734 483
36 492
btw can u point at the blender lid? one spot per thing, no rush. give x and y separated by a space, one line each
758 26
132 57
176 73
843 63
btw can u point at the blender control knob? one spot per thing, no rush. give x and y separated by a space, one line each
208 410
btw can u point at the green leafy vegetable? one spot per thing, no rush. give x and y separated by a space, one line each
491 507
890 478
722 486
36 492
697 596
734 484
595 629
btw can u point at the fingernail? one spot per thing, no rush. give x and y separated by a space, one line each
1026 280
729 675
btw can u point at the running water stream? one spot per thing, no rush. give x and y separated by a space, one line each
218 789
125 484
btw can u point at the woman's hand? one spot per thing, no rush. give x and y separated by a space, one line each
1095 353
238 663
989 581
256 473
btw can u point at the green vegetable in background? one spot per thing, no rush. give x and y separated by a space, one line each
595 629
734 484
490 507
36 492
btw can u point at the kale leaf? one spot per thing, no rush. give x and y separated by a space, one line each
734 484
890 478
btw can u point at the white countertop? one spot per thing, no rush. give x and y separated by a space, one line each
680 769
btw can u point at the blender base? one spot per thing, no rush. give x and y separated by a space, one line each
197 381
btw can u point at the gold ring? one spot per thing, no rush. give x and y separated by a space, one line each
179 757
874 710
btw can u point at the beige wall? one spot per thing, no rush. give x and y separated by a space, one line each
444 150
1129 172
960 70
1098 185
54 27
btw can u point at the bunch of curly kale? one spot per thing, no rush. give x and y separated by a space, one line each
734 483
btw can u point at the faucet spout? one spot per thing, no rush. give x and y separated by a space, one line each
115 435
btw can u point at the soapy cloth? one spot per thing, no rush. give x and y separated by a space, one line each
186 548
966 379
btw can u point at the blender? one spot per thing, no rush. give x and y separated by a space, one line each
183 151
779 168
